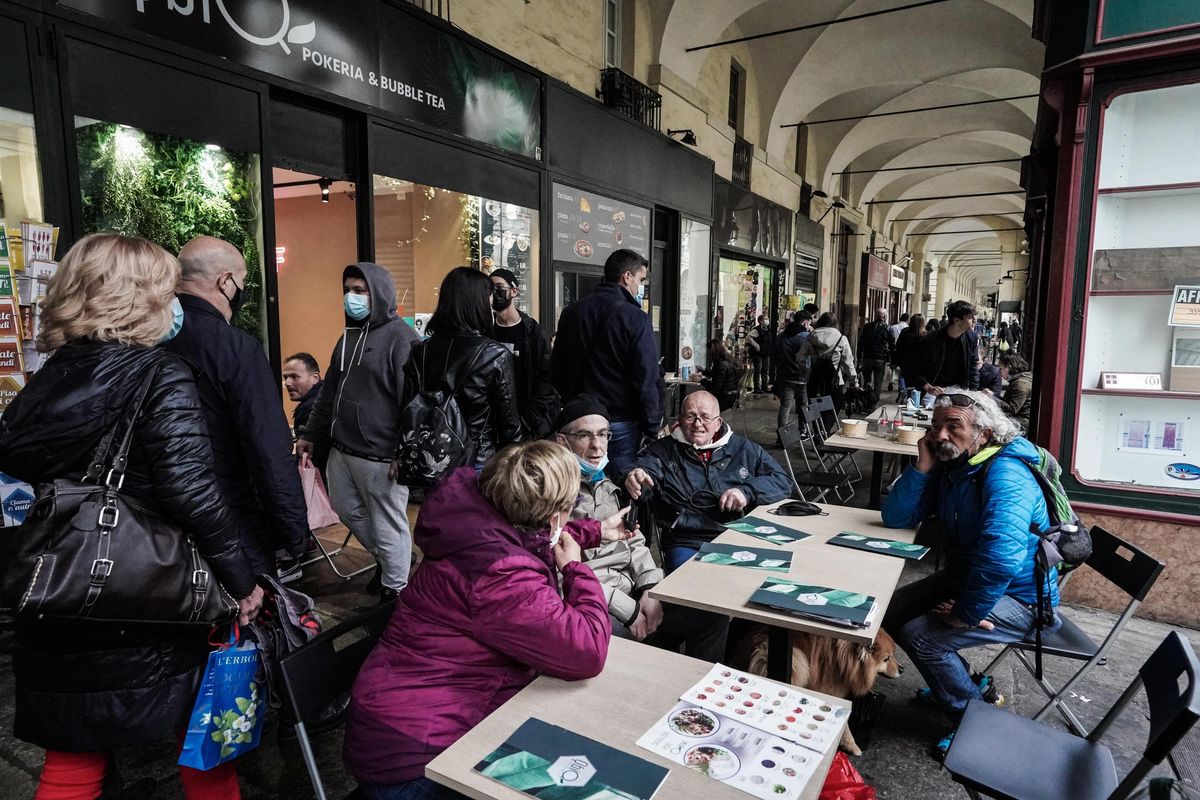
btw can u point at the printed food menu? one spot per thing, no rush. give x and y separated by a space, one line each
761 737
767 530
739 556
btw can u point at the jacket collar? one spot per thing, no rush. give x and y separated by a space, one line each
618 289
191 302
720 440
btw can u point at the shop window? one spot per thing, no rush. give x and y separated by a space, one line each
612 33
170 189
737 88
694 239
422 232
20 181
1138 424
744 292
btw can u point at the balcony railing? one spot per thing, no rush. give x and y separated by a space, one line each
632 98
743 158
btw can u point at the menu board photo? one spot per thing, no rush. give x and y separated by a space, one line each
506 239
588 227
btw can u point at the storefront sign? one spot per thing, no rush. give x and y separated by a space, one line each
588 227
1122 18
878 271
898 274
1185 307
910 283
749 222
362 50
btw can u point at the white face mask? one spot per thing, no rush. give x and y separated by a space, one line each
556 531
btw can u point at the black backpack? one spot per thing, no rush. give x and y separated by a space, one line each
823 376
434 439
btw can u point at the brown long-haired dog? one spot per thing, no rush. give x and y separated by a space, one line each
832 666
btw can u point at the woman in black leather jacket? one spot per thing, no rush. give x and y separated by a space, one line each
84 689
479 370
722 377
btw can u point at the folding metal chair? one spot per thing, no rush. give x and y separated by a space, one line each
996 753
329 555
322 672
822 482
1127 567
824 405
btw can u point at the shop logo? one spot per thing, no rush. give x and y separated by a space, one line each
572 771
17 505
301 34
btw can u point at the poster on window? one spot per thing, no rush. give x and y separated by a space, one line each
1150 436
506 240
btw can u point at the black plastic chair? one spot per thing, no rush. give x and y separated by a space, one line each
821 482
1134 574
996 753
813 415
322 672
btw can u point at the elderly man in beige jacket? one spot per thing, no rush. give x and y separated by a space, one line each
626 569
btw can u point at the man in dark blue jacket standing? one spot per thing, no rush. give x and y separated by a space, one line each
251 441
605 347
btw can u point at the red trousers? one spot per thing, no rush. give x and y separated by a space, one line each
80 776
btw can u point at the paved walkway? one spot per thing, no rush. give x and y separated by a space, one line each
896 763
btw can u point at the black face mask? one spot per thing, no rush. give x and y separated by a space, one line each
235 302
500 299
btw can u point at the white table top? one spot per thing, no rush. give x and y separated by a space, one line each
872 443
639 684
726 589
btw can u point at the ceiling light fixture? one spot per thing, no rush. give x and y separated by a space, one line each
324 183
688 138
832 206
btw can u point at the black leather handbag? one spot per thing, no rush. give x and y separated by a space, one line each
86 551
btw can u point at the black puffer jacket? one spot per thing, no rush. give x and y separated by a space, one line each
482 374
82 686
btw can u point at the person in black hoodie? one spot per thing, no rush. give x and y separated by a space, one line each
84 689
358 409
522 335
251 440
460 356
606 347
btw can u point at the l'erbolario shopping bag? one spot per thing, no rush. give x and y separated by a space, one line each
227 719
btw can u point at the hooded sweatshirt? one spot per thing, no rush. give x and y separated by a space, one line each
825 340
359 405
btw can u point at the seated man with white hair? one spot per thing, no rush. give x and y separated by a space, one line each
973 472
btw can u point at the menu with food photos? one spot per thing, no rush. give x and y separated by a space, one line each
761 737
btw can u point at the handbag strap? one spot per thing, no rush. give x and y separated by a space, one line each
116 472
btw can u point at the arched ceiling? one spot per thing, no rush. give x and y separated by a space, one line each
959 51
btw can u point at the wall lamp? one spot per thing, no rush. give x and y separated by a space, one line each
324 183
832 206
688 138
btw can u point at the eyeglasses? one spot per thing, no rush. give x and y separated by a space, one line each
584 436
692 419
957 400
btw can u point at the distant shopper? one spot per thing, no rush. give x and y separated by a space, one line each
460 356
813 310
898 328
761 344
907 341
359 411
947 357
722 377
791 369
895 331
302 380
607 348
831 361
82 690
251 441
1018 397
526 340
990 380
482 618
875 350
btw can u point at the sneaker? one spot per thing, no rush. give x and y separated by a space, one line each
289 571
987 690
942 746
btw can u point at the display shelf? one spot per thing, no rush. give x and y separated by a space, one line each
1131 293
1155 218
1105 451
1162 395
1152 187
1145 136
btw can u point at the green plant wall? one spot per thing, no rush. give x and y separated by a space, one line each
169 190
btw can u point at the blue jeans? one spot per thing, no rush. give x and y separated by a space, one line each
623 447
420 789
675 556
933 645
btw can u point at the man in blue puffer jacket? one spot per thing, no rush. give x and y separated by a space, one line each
969 473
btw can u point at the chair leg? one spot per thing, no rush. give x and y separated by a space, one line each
1055 696
992 664
310 762
329 556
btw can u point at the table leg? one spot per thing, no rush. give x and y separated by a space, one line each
779 654
876 480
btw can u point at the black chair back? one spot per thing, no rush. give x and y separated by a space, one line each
1169 677
789 435
324 669
1133 574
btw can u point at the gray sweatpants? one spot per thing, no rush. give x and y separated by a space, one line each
375 510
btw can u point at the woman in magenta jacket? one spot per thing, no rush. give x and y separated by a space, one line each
481 617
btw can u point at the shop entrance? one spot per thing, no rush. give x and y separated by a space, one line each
745 290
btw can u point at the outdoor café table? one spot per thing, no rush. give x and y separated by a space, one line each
638 686
677 390
726 589
909 415
877 446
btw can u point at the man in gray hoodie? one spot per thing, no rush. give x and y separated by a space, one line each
359 411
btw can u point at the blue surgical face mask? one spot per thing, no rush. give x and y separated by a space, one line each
357 306
590 472
641 295
176 321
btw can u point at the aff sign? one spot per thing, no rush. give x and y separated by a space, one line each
362 50
1185 307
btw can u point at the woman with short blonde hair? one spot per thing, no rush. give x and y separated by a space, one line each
85 689
481 616
110 288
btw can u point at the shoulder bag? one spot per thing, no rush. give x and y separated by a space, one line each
87 551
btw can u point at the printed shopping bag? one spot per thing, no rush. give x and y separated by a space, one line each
227 719
320 512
